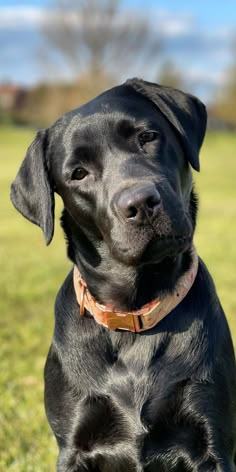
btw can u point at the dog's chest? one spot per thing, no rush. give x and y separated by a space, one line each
131 397
133 378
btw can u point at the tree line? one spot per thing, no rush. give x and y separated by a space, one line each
97 45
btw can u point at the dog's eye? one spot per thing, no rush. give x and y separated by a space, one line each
79 174
147 137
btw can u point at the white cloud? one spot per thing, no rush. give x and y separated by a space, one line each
20 17
168 24
162 21
200 75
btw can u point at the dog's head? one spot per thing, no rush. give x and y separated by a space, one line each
121 164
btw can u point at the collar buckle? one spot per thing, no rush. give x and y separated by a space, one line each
127 322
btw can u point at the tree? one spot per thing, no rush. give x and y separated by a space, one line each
170 75
93 36
224 107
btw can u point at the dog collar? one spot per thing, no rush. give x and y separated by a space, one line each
136 321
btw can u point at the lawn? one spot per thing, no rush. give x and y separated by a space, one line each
31 275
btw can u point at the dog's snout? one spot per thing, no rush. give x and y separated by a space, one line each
138 202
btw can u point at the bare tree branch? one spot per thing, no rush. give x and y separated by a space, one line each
95 35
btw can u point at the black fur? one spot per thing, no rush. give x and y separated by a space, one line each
162 400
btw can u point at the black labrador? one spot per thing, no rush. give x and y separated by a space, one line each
162 399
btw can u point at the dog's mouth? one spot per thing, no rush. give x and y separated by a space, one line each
161 247
154 250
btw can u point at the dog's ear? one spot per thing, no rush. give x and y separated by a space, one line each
32 191
185 112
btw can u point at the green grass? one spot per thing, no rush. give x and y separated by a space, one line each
31 275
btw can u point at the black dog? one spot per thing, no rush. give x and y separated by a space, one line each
161 399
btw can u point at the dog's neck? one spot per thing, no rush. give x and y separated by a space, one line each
113 283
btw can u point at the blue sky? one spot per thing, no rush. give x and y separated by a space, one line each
197 37
209 12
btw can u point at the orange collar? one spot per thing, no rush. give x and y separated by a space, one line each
144 318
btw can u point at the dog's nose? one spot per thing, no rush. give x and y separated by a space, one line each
138 202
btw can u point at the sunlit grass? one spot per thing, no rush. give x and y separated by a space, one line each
31 275
216 231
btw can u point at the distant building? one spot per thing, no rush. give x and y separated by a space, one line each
12 97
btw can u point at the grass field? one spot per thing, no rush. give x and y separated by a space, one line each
31 275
